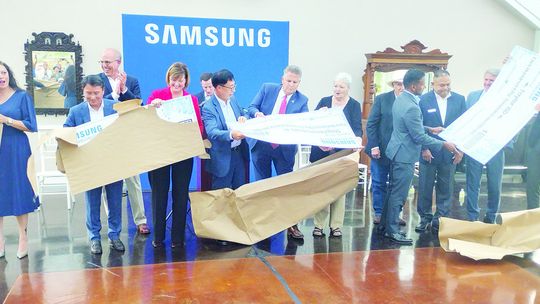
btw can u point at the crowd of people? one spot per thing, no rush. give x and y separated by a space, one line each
402 129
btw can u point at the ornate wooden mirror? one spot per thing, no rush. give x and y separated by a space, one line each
53 72
382 64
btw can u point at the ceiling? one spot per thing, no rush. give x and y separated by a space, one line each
527 9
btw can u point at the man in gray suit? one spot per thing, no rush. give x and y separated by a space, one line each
533 163
408 137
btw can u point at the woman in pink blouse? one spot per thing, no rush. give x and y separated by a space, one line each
179 173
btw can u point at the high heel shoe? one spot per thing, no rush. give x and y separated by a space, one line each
3 250
23 254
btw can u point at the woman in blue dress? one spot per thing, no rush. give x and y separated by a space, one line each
17 198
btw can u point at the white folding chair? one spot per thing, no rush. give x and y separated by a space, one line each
363 177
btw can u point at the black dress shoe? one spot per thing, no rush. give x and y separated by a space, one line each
376 219
399 238
95 247
222 243
157 244
294 232
423 226
117 245
177 244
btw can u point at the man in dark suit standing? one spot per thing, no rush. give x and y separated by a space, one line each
274 99
408 137
229 152
207 89
120 87
95 108
533 163
440 107
379 130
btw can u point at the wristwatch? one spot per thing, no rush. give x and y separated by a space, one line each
9 122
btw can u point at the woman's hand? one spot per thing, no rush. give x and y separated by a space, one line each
242 119
326 149
156 103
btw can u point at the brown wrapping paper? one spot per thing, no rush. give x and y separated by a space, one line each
138 141
517 233
260 209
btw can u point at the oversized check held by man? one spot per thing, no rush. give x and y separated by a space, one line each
326 128
502 111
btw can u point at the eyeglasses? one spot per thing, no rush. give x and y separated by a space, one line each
233 87
106 62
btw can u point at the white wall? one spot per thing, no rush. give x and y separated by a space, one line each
326 37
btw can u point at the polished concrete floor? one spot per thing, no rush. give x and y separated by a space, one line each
59 244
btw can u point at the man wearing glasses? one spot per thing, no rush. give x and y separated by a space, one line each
275 99
120 87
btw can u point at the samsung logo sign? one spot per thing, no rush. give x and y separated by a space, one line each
209 36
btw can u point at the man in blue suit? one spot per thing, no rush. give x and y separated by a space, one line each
274 99
379 130
207 89
94 108
120 87
440 108
229 152
494 168
408 137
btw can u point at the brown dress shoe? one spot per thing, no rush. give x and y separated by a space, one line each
294 232
377 219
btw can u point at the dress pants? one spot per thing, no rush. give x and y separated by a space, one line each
337 214
263 156
134 190
93 209
533 178
444 188
380 170
494 168
401 176
236 176
179 174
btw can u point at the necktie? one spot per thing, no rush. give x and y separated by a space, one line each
282 110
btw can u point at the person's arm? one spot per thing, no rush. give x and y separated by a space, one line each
70 120
131 93
255 106
356 120
415 128
373 126
197 113
210 120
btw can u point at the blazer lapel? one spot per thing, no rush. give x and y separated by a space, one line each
220 112
108 88
435 105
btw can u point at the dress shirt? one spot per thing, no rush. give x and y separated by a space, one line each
442 103
279 99
96 115
230 118
114 84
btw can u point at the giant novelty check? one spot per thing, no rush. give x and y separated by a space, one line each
177 110
327 128
502 111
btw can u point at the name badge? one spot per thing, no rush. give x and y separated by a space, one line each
432 110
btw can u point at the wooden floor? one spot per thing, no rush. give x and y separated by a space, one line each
426 275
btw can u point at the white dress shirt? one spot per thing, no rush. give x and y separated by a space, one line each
114 83
442 103
230 118
96 115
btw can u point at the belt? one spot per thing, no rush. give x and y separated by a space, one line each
237 148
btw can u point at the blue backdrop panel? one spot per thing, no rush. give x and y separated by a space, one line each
255 51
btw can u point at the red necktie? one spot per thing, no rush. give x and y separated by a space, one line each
282 110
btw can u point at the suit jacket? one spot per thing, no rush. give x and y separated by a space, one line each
472 98
80 114
219 135
200 98
456 106
534 135
379 125
353 113
264 102
408 135
132 85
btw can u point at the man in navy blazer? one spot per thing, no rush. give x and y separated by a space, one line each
275 99
494 168
207 89
229 152
379 129
120 87
408 137
94 108
440 107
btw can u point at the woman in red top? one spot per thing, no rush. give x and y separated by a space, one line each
179 173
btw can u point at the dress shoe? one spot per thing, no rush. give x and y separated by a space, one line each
423 226
294 232
117 245
143 229
95 247
398 238
402 222
21 255
435 225
177 244
157 244
377 219
3 250
222 243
